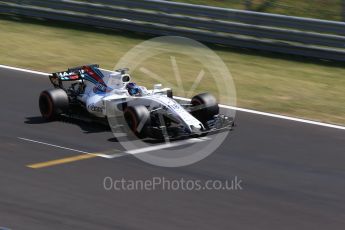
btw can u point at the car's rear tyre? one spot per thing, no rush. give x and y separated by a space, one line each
204 107
53 103
138 119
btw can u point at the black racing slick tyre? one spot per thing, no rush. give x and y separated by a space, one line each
138 119
204 107
52 103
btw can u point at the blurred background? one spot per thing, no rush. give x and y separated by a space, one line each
321 9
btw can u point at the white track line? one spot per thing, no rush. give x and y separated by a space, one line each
168 145
223 106
23 70
126 153
61 147
285 117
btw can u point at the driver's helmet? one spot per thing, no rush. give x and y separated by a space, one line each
132 88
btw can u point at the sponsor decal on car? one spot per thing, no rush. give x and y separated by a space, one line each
92 107
65 76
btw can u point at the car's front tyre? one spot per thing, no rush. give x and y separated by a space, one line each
138 119
204 107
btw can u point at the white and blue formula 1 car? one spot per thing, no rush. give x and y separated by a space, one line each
89 92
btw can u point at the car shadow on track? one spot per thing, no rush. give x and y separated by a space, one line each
87 127
92 127
133 138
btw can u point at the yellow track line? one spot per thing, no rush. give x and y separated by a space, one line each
62 161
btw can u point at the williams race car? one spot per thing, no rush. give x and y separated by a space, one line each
88 92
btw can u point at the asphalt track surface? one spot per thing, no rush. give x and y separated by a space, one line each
293 175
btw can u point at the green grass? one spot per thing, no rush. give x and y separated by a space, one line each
322 9
266 82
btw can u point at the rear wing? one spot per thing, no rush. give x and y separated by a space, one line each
72 74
